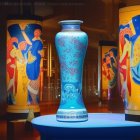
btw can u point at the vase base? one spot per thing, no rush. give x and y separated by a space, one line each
71 115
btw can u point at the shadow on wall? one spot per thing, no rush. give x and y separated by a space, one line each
3 94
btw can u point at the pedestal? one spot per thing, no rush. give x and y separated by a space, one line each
100 126
19 129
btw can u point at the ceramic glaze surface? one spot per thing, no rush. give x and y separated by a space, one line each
71 44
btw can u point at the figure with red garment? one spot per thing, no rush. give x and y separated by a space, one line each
106 67
124 66
11 68
112 72
108 72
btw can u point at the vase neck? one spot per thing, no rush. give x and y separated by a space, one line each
70 27
70 24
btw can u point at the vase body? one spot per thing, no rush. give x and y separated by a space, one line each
71 44
129 62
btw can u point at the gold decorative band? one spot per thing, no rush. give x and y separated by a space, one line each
22 109
132 112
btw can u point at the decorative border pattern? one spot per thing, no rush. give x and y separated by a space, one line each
71 115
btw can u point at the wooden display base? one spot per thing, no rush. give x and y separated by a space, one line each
16 116
22 108
18 129
15 112
130 117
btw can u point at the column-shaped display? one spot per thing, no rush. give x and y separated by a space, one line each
24 50
129 60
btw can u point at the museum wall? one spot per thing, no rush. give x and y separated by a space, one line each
100 23
4 11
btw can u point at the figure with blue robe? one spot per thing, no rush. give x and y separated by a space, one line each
135 54
33 67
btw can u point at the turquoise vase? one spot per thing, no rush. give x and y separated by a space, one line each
71 44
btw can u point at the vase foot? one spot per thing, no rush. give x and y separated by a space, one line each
72 115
